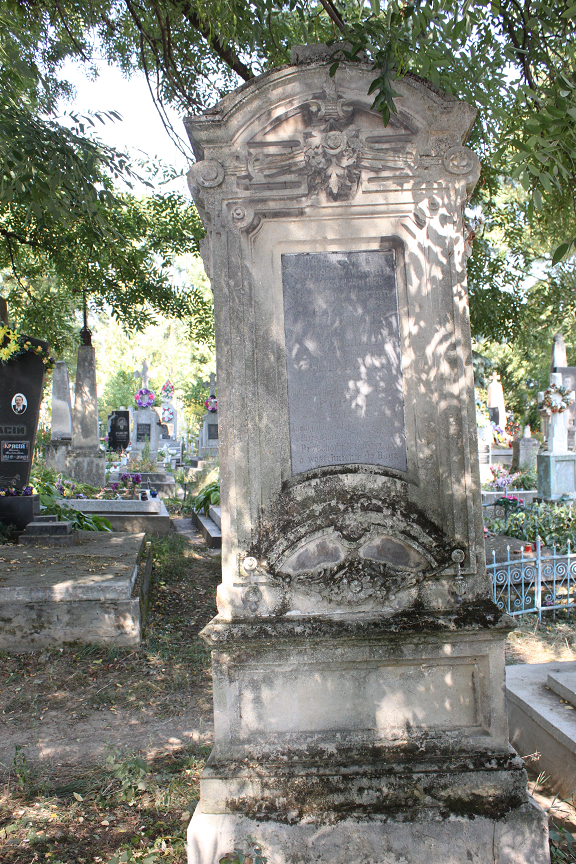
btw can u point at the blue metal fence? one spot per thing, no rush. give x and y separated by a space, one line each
534 582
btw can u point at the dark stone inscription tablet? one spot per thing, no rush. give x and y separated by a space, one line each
344 364
212 431
142 431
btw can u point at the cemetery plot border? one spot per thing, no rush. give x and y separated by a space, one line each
534 582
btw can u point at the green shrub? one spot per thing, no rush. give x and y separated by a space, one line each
208 495
555 524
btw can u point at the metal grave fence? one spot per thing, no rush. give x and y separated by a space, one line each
534 582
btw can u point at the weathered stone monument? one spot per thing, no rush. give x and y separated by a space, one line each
525 452
358 660
146 421
86 460
557 466
495 401
61 420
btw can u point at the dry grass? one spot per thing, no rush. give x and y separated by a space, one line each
542 642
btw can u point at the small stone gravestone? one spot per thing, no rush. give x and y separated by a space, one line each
524 452
61 419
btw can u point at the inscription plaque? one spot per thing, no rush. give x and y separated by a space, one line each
212 431
142 431
344 363
119 432
15 451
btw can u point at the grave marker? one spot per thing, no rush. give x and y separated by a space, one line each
358 661
119 430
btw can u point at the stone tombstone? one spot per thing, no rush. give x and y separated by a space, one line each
524 454
495 401
358 660
146 425
208 432
557 466
86 461
568 374
61 419
119 430
21 389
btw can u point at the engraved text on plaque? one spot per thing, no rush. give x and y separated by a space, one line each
344 364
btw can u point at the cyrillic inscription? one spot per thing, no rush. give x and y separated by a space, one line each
344 364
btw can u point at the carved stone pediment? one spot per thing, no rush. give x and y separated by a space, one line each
324 144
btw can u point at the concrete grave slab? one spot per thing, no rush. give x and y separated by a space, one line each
150 516
95 591
540 723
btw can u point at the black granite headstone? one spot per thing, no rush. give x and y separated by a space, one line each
119 431
21 388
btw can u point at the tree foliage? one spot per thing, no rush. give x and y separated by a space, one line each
514 61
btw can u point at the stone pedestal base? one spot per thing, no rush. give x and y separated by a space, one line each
524 454
556 475
356 740
520 837
87 467
57 454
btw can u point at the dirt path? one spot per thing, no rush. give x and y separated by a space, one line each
75 706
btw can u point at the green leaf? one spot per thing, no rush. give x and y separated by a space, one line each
560 252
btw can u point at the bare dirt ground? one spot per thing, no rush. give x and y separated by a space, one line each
101 747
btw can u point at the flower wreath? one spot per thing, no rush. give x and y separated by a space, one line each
167 390
13 344
167 414
211 404
550 406
144 397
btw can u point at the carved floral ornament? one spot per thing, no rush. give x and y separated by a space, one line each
326 144
377 571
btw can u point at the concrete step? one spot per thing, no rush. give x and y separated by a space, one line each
564 685
214 514
52 529
209 530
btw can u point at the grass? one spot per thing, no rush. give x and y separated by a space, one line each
125 808
542 642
